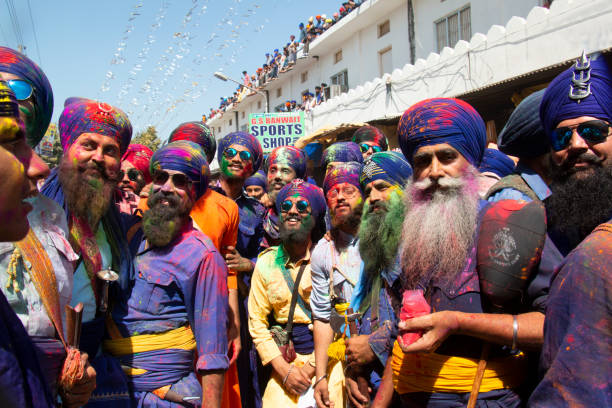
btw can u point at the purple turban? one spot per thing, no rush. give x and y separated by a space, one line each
291 156
188 158
342 152
572 94
310 192
370 134
342 173
496 162
257 179
443 120
18 64
391 167
196 132
243 139
82 115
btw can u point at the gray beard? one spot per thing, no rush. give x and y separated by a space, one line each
438 229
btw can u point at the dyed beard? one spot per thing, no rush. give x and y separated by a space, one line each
581 199
299 235
438 229
379 234
87 197
161 223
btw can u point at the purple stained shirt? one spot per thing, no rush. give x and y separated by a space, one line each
179 284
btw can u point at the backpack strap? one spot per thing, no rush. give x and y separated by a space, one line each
514 181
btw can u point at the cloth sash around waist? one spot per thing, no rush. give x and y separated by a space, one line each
431 372
303 342
152 361
51 355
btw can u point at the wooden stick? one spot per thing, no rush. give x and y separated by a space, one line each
362 382
482 365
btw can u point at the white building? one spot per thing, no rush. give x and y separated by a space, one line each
389 54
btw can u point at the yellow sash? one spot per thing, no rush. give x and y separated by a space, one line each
430 372
181 338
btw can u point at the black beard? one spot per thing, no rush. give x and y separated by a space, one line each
86 197
161 223
296 236
351 220
581 200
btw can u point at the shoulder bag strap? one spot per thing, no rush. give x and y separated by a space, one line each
294 298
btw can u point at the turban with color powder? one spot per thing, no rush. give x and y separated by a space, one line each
342 173
496 162
82 115
443 120
557 105
370 134
140 157
18 64
196 132
310 192
342 152
290 156
188 158
314 152
391 167
523 135
257 179
243 139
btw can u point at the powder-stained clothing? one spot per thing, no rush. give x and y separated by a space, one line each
250 228
533 181
575 359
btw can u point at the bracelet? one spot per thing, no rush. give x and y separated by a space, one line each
288 372
514 331
323 377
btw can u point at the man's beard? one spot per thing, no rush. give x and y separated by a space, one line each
438 229
298 235
161 223
87 197
350 220
581 198
379 234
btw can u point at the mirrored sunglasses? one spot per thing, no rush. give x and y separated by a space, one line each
300 205
22 89
230 152
365 147
593 131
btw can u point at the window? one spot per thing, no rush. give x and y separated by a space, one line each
338 57
219 130
243 128
383 28
230 122
385 61
341 78
243 115
304 76
454 27
258 104
279 92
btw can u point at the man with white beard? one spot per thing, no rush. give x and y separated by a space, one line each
444 141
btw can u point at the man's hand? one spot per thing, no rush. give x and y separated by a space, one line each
80 393
358 350
321 394
358 400
234 347
298 380
236 262
436 327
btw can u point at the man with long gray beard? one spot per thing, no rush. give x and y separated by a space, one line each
444 140
177 302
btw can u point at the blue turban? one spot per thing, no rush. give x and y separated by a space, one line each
342 152
289 155
310 192
314 151
342 173
557 105
523 135
443 120
18 64
391 167
188 158
496 162
243 139
257 179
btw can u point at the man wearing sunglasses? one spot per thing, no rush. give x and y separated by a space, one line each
178 294
576 112
370 140
134 176
301 206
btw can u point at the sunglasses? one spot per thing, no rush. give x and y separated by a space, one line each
230 152
347 191
160 177
132 174
301 205
593 131
365 147
22 89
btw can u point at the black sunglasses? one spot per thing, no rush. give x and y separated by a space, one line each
301 205
365 147
132 174
160 177
230 152
593 131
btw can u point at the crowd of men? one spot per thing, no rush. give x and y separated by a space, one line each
441 276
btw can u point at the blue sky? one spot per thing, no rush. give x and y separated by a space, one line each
152 58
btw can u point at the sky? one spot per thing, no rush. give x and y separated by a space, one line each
154 59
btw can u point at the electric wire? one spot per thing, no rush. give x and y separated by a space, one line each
35 36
